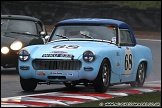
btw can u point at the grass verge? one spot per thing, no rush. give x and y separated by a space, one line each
152 99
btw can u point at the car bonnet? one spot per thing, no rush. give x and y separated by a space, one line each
66 49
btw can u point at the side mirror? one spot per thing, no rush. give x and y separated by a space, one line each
113 39
43 34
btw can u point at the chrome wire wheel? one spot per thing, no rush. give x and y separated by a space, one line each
141 72
105 76
140 78
102 81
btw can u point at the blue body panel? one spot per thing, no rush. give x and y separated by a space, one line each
123 69
101 49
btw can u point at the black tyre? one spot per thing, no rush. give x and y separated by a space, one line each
102 82
70 84
140 78
28 84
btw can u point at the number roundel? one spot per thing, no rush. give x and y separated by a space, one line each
66 46
128 62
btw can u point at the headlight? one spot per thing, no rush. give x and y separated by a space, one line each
23 55
16 45
4 50
88 56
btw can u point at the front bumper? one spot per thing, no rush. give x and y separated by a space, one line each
87 71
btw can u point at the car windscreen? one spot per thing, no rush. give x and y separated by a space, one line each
18 26
104 32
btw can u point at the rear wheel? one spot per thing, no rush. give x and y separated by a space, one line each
140 78
28 84
102 82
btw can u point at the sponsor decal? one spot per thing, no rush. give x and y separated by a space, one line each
56 73
41 73
58 52
66 46
118 64
58 55
117 53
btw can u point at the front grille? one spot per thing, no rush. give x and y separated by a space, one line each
56 64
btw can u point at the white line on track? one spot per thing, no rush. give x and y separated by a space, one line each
153 81
19 97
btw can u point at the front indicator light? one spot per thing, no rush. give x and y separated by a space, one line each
24 67
4 50
16 45
88 68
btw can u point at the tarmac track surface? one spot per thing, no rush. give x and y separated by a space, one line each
65 98
50 95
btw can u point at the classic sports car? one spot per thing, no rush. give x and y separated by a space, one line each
96 52
18 31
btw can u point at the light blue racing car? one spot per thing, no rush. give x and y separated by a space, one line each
88 51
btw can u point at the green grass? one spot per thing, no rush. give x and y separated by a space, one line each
137 4
153 98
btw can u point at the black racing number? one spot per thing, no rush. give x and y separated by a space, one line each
66 46
128 61
72 46
59 46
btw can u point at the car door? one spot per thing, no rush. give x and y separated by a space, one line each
127 72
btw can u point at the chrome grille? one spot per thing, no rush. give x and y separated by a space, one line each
56 64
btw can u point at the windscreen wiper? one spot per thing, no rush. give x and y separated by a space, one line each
62 36
87 36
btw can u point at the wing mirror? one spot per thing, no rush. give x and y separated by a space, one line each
43 34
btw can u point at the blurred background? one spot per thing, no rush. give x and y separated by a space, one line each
140 15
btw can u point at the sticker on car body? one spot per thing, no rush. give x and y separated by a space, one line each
128 63
66 46
58 55
41 73
56 73
58 52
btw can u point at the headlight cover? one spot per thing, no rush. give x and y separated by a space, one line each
4 50
23 55
88 56
16 45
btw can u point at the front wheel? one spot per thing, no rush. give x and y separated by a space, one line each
140 78
70 84
28 84
102 82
